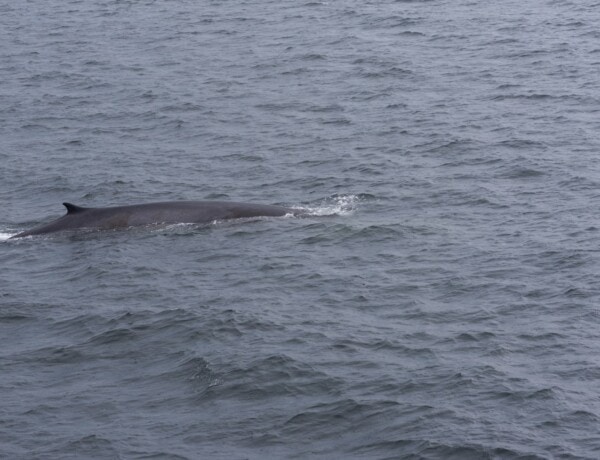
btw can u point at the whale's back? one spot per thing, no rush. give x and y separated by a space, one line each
116 217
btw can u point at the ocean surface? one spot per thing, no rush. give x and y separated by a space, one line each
440 301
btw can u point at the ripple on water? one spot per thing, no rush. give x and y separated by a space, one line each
438 297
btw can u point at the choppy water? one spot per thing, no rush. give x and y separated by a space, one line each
449 308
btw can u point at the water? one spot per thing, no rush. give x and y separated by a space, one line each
442 300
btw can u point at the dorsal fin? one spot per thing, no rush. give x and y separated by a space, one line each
72 209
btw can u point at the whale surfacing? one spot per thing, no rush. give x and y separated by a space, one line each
175 212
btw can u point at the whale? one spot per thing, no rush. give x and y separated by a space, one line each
170 212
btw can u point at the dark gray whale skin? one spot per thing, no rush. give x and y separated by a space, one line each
192 212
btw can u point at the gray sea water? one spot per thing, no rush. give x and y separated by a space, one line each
442 300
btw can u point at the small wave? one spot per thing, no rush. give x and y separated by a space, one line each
522 173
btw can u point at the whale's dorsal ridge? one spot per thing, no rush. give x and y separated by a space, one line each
72 209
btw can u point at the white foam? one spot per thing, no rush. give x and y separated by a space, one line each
340 205
5 236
